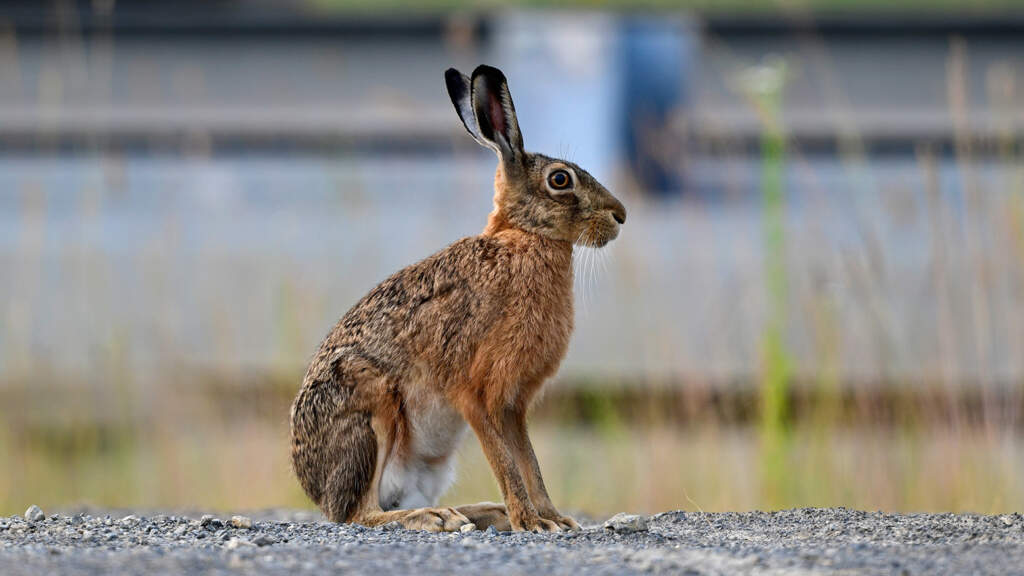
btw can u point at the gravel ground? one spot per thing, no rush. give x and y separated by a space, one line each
807 541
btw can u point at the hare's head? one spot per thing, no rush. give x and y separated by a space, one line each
533 192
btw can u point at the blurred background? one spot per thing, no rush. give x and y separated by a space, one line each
818 299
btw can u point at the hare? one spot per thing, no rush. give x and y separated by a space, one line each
467 335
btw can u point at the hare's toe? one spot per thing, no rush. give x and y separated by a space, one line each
546 525
536 524
563 521
566 522
435 520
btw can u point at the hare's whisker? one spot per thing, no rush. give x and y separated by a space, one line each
579 265
602 259
591 257
589 277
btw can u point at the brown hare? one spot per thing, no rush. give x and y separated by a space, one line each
468 335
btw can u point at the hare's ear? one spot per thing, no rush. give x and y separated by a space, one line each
495 113
459 91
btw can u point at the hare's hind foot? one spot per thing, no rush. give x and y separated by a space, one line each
486 514
429 519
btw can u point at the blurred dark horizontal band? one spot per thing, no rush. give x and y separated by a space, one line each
630 401
219 18
253 17
185 139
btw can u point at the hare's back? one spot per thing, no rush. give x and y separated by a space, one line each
430 310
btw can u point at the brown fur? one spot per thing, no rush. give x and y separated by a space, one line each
479 327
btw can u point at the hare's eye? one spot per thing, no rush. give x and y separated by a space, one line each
559 180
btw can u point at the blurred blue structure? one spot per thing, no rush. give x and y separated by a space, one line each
656 71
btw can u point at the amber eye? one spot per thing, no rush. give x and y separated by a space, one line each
559 180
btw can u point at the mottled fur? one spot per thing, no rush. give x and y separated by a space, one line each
467 335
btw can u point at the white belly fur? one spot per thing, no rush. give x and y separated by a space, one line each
421 478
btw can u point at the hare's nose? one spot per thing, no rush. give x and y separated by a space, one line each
612 204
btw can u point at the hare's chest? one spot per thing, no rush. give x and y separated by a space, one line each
541 327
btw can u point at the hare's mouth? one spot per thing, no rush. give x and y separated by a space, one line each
598 235
608 237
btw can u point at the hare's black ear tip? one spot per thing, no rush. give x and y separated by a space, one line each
458 86
488 72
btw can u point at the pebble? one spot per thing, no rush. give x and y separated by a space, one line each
241 522
34 514
466 528
623 523
209 520
264 540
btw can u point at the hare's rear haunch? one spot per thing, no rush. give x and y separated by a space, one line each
467 335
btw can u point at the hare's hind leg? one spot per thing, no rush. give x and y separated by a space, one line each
405 482
352 491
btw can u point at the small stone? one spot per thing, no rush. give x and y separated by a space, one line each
180 530
264 540
209 520
492 530
467 528
234 543
1007 520
393 525
34 514
241 522
623 523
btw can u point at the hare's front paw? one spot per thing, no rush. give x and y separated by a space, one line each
564 522
434 520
